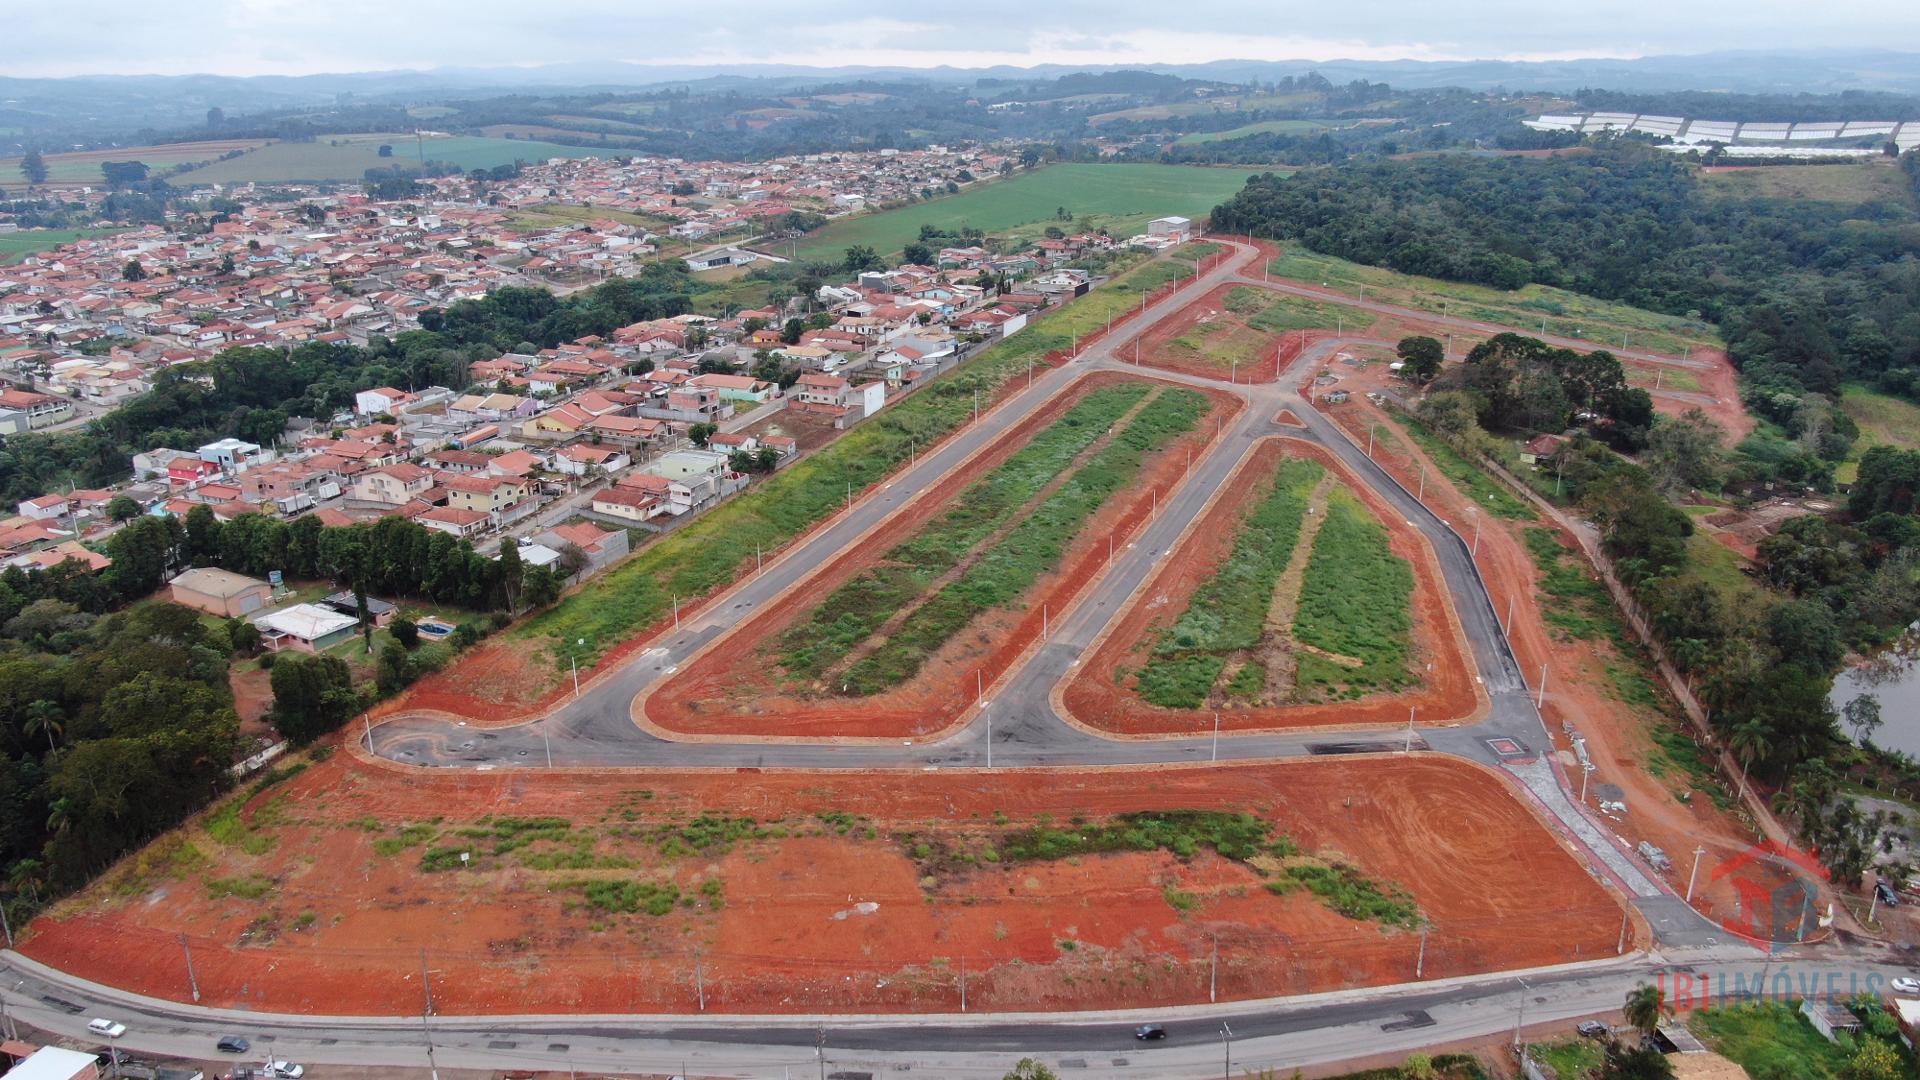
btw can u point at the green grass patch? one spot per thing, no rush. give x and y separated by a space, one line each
1582 607
1769 1040
348 157
1570 1059
1032 548
244 887
1883 420
1532 309
1850 184
1471 480
1355 602
655 898
1228 611
852 612
1199 249
1123 197
1239 837
411 836
1348 892
18 245
1264 127
710 551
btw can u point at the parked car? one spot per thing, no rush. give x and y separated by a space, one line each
232 1044
1593 1029
1149 1031
1906 985
286 1070
106 1029
1886 893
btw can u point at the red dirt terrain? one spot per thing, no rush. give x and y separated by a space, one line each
826 909
1096 698
1154 347
1619 735
716 694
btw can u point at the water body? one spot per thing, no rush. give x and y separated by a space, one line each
1893 676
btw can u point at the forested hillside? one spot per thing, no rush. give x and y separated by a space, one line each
1808 294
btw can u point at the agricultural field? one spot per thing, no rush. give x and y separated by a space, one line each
1848 184
890 638
1121 198
15 246
1247 103
1293 601
1535 308
555 215
1265 127
82 168
348 157
1237 331
1884 420
317 888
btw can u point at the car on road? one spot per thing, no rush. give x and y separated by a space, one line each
1149 1031
106 1029
1592 1029
286 1070
1906 985
1886 894
232 1044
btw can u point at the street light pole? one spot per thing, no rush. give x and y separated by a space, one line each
1699 851
1585 774
1226 1040
1216 734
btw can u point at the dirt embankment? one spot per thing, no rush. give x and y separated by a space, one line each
830 909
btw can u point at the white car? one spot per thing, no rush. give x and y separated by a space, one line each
1906 986
286 1069
105 1028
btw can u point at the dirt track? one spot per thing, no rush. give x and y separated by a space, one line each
1096 699
342 928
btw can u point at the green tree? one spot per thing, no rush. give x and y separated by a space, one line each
1646 1008
34 168
133 271
917 253
1423 357
1873 1059
510 573
790 333
862 257
698 434
543 586
1633 1063
122 508
1031 1069
390 672
405 631
312 695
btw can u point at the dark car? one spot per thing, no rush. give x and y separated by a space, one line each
233 1044
1149 1031
1593 1029
1887 895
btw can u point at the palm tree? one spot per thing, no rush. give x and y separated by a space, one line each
45 717
1646 1007
1751 739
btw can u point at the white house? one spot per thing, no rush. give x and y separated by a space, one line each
1172 228
381 399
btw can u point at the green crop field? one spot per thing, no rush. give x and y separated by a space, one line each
1851 184
551 215
348 157
83 167
17 245
1265 127
1121 198
1533 309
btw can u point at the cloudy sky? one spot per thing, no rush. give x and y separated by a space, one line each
252 37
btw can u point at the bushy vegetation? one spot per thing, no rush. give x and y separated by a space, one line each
1239 837
1032 548
1354 603
1349 892
1227 612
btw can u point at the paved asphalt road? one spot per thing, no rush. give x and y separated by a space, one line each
594 729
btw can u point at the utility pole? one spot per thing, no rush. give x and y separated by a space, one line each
1411 709
426 984
1420 962
192 982
820 1047
699 979
1213 972
963 984
1216 734
1699 851
1586 773
1226 1040
1541 698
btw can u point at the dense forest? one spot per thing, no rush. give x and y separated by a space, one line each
251 392
1807 294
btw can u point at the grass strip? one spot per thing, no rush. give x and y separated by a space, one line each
1355 602
708 553
1228 611
1033 547
858 607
